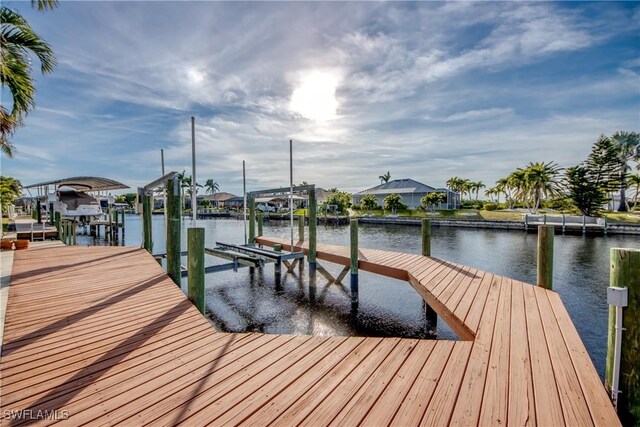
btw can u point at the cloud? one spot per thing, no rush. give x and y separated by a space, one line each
425 90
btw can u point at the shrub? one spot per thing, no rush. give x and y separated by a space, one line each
490 206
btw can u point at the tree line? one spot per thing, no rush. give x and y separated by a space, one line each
588 187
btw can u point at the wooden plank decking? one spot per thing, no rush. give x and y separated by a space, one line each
103 336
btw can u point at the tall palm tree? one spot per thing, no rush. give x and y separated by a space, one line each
476 187
628 147
384 178
18 42
516 182
542 180
211 186
492 191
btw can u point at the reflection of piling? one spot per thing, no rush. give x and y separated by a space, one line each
430 315
354 262
277 266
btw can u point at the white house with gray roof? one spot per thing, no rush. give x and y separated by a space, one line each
411 191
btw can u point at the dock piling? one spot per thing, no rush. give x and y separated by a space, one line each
252 220
313 227
146 222
625 273
545 256
301 228
195 269
354 262
431 317
260 223
174 226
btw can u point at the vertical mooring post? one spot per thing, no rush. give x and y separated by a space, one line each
146 222
301 228
584 224
252 220
260 223
115 224
430 315
545 256
313 227
195 269
426 237
172 206
57 222
354 262
625 273
75 233
277 266
38 212
564 223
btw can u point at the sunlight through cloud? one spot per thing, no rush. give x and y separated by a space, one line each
315 96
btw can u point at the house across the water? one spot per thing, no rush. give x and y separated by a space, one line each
411 191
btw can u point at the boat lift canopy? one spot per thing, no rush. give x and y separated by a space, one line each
82 183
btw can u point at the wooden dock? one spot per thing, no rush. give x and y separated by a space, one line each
101 335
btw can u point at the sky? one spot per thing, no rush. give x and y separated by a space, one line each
424 90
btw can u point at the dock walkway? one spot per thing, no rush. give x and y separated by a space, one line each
101 335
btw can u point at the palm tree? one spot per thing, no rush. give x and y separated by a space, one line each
476 186
211 186
628 147
385 178
10 189
635 180
18 43
516 182
490 192
542 180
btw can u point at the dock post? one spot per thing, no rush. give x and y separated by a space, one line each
252 221
354 262
57 222
426 237
301 228
584 224
174 226
625 273
38 212
605 225
277 266
545 256
146 223
123 227
431 317
526 222
195 269
115 224
313 227
563 223
260 223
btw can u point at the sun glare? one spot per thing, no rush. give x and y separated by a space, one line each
315 96
195 76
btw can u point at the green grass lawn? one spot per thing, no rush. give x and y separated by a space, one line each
623 217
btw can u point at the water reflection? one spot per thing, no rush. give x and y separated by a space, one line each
304 303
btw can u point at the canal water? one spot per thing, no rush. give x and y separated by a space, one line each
242 302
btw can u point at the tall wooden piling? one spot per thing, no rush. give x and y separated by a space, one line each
354 262
172 206
260 223
301 228
431 317
545 256
252 220
195 269
426 237
146 223
38 212
313 227
625 273
56 222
